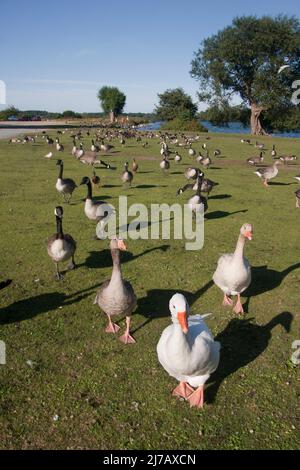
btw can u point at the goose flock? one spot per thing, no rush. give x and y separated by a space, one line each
186 348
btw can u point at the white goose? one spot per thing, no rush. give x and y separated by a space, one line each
233 273
187 351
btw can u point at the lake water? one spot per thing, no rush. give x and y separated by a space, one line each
232 128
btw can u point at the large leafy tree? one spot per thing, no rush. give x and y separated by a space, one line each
112 100
244 59
175 103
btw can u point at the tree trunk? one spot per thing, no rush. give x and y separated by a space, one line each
256 127
112 116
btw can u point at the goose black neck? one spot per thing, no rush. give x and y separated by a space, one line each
89 190
60 171
59 230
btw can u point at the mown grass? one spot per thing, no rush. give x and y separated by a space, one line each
108 395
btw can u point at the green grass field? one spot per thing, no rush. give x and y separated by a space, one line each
110 396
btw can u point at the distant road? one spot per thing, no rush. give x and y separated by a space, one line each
13 128
7 133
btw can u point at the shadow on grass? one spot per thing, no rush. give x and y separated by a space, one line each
220 214
220 196
102 259
156 303
264 280
274 183
29 308
241 343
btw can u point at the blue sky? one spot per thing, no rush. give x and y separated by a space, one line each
56 54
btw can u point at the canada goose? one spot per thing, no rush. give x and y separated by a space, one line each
192 152
95 180
177 158
187 351
134 166
49 140
79 152
164 164
297 178
259 146
206 185
122 141
256 160
60 246
233 273
287 158
217 152
95 210
268 172
200 158
206 162
59 146
95 148
191 173
74 148
106 147
198 203
107 165
116 296
127 176
89 158
246 141
273 152
64 186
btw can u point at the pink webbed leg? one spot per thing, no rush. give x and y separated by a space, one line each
126 337
111 327
266 183
238 306
197 397
183 390
227 301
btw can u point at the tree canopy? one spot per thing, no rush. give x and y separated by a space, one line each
245 58
111 99
175 103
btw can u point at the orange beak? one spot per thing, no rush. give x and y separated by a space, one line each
249 235
121 245
182 318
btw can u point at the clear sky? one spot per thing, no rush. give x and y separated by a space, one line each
56 54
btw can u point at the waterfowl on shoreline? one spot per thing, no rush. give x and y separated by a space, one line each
127 176
95 180
287 158
187 351
64 186
273 152
256 160
177 157
116 296
60 246
93 209
135 166
198 203
233 273
267 173
164 164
